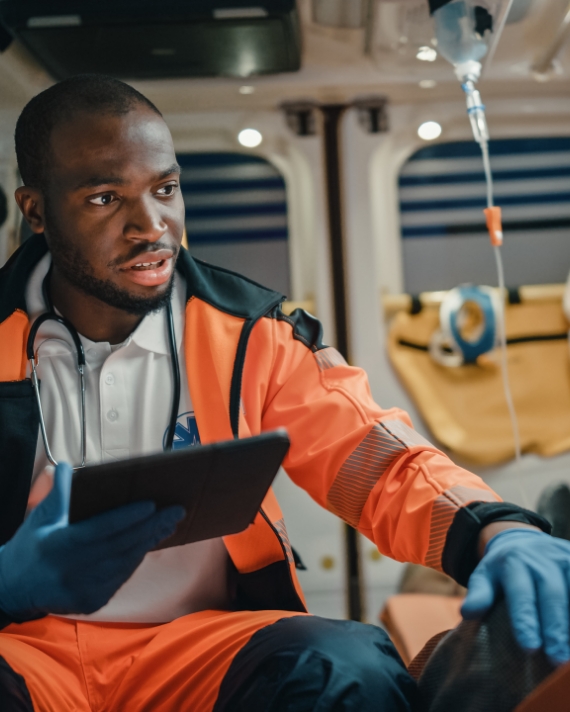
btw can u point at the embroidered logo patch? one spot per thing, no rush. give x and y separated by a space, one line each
186 432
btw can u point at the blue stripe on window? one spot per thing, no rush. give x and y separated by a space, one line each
504 147
459 203
226 211
232 185
433 231
238 236
208 160
498 176
459 230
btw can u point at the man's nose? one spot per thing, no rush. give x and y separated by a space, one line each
144 221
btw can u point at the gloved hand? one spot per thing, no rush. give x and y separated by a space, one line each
532 569
51 566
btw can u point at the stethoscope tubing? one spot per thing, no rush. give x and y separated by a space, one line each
175 379
50 315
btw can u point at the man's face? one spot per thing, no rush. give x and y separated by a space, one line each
114 214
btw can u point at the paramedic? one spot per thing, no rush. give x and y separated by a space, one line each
91 618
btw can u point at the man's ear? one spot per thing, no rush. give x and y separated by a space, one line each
32 205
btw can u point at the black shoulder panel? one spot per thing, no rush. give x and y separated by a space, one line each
306 327
228 291
19 427
16 272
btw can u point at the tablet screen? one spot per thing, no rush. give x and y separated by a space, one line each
221 485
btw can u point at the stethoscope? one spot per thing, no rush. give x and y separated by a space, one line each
51 315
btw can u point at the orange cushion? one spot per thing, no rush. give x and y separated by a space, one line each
411 619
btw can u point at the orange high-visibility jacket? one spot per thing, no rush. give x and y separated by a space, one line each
252 368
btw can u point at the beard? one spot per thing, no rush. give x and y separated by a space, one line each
78 272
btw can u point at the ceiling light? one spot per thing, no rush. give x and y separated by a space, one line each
426 54
429 130
428 83
246 89
250 138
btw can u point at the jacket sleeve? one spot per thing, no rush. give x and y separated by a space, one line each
368 465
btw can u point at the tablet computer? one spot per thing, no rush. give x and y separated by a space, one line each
221 485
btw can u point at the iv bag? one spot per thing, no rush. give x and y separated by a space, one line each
461 31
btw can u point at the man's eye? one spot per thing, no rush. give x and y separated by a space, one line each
106 199
167 189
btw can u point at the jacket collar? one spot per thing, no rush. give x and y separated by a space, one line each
222 289
225 290
15 274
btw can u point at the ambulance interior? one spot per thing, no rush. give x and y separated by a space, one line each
333 159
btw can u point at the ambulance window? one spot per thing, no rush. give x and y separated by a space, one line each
236 215
442 195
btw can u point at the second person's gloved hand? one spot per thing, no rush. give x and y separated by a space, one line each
51 566
532 569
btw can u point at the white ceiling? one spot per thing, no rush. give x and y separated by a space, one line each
335 66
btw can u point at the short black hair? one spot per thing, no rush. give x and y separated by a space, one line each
96 93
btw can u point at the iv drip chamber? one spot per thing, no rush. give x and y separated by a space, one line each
460 33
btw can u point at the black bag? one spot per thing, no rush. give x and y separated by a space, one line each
479 667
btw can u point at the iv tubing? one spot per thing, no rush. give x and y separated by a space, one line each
502 331
504 364
478 120
488 175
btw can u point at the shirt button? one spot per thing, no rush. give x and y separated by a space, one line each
109 379
112 415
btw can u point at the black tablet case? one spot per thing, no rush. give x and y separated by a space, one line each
221 485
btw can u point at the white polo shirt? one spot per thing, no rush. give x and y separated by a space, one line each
128 401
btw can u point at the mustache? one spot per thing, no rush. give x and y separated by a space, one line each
139 250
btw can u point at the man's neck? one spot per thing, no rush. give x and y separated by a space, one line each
91 317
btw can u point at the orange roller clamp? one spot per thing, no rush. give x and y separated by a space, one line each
494 225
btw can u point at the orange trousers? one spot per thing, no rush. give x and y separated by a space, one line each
104 667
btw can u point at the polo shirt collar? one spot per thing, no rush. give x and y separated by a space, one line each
152 333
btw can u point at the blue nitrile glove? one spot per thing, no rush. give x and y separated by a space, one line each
532 569
51 566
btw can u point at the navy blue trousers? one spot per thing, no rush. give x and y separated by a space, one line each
14 695
311 664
